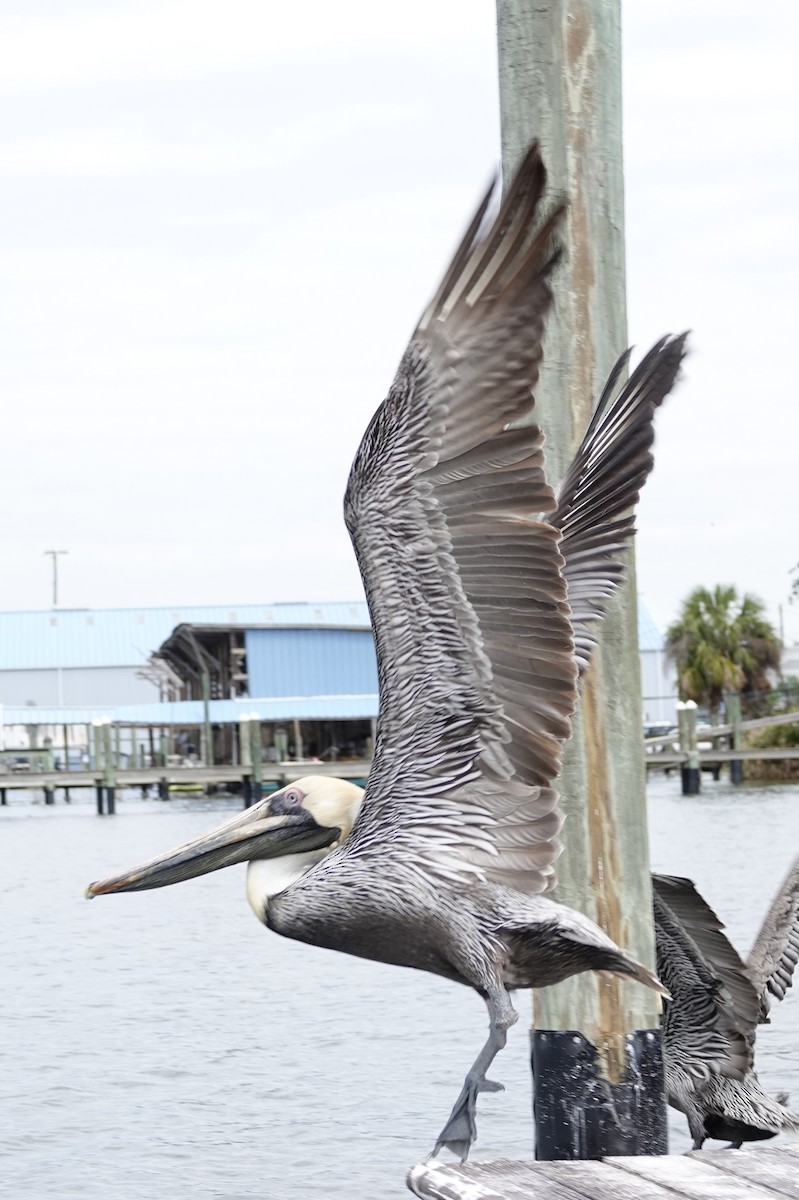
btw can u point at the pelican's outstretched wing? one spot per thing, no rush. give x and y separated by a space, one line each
596 498
468 601
708 1021
772 959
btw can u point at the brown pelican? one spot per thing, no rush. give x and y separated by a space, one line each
478 651
716 1004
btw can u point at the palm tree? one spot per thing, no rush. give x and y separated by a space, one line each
722 643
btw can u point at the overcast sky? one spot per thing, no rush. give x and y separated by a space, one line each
219 225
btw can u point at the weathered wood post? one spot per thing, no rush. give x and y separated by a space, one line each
256 752
109 747
299 750
245 759
208 737
690 774
97 760
732 703
48 765
596 1054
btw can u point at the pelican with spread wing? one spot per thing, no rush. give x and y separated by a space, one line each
484 588
716 1004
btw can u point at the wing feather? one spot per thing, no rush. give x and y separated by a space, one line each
708 1021
478 650
773 957
596 498
440 506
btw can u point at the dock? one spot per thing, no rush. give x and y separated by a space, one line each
181 778
756 1173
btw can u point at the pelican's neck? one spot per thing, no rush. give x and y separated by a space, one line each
266 877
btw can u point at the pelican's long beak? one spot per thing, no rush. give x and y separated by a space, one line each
251 834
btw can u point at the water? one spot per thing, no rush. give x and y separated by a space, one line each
166 1044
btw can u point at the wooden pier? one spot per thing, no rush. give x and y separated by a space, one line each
756 1173
180 778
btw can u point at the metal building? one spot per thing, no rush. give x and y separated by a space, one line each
89 658
309 669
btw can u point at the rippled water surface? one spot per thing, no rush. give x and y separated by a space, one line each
166 1044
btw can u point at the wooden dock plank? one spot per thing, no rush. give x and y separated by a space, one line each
759 1173
778 1173
691 1178
592 1180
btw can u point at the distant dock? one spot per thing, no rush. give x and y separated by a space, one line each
178 778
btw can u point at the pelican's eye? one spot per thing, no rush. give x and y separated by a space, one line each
289 801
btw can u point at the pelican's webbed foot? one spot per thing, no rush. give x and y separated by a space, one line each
461 1128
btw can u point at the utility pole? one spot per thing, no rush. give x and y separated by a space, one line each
54 555
596 1054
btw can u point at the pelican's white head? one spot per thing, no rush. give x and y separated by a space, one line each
332 804
280 837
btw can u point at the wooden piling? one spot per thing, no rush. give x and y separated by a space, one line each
732 704
98 764
208 735
256 754
109 745
690 773
560 82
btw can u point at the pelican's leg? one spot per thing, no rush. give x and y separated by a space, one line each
460 1130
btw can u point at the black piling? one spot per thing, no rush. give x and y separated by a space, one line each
579 1113
691 781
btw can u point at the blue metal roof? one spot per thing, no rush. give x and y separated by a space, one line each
190 712
126 637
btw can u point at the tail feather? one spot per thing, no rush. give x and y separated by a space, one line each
630 968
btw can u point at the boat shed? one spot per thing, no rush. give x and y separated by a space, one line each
322 676
307 671
90 658
228 661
